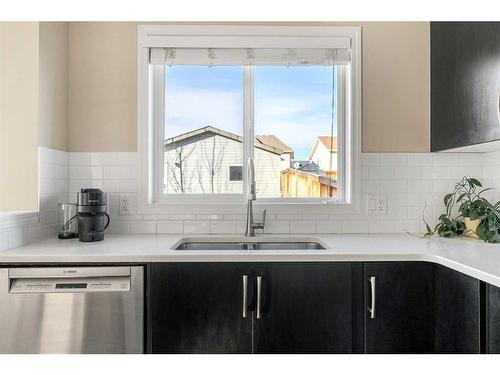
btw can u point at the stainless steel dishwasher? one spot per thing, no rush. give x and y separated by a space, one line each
72 310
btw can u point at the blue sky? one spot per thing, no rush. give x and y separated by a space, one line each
292 103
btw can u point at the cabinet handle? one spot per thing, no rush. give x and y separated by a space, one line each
498 106
372 308
259 288
245 295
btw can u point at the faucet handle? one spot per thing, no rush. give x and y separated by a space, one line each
264 218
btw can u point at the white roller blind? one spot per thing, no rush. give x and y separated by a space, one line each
250 56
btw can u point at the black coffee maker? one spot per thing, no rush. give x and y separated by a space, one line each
92 217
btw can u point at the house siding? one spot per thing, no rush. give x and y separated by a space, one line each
199 157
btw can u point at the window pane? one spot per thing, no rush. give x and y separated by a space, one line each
295 145
203 129
235 173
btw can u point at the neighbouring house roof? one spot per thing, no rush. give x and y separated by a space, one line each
330 143
208 131
307 166
273 141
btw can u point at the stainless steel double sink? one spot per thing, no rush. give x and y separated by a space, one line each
253 243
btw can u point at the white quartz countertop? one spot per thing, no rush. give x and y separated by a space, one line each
474 258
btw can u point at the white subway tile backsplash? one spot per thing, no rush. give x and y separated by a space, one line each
434 173
116 227
297 227
143 227
408 173
79 158
183 217
407 226
127 186
443 186
394 186
381 173
420 186
409 181
170 226
371 159
329 226
420 159
471 159
380 226
408 199
446 159
277 226
196 226
113 158
223 226
209 217
355 226
395 159
120 172
87 173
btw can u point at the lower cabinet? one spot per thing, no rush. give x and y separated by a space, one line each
259 307
305 308
197 308
399 312
319 307
493 319
457 314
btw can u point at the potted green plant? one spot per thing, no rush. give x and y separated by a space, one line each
476 217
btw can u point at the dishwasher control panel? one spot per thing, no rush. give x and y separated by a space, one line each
70 285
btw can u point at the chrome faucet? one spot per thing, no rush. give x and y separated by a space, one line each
251 226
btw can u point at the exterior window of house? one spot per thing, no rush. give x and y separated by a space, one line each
214 97
235 173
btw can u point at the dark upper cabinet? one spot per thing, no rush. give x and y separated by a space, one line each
401 294
465 83
198 308
493 319
307 308
457 312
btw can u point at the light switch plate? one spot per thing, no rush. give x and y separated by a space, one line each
376 204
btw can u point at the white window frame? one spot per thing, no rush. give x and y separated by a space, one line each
151 115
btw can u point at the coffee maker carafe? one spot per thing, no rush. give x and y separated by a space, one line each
92 216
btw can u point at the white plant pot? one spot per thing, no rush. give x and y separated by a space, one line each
470 227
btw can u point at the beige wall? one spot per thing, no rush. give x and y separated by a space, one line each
53 85
102 89
18 116
396 87
103 86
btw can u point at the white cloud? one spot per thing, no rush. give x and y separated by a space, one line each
189 109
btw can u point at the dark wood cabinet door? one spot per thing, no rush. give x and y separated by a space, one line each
457 312
403 316
465 61
197 308
305 308
493 319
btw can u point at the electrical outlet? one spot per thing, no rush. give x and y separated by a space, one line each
125 204
376 204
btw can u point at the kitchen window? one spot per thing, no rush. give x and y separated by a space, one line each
211 97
